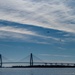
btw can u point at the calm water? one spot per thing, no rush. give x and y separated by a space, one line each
37 71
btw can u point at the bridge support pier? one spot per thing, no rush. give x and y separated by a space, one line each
31 59
0 61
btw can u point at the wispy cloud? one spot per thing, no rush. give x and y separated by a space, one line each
55 14
30 35
17 30
24 34
57 55
22 31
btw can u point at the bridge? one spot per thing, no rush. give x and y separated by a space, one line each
32 63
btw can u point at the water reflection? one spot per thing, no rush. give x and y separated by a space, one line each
1 72
49 71
31 72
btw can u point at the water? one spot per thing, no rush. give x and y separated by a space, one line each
37 71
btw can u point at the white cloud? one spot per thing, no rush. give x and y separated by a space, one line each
49 14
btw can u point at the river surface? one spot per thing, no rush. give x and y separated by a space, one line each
37 71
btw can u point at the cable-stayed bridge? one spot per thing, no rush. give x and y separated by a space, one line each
32 63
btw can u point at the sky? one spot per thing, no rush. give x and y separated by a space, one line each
45 28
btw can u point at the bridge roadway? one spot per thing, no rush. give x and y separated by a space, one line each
42 63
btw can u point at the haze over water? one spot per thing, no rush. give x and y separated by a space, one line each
37 71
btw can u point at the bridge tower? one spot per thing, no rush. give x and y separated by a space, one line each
0 60
31 59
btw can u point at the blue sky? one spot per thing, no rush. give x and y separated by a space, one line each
45 28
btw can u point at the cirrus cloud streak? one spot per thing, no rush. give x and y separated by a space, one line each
48 14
